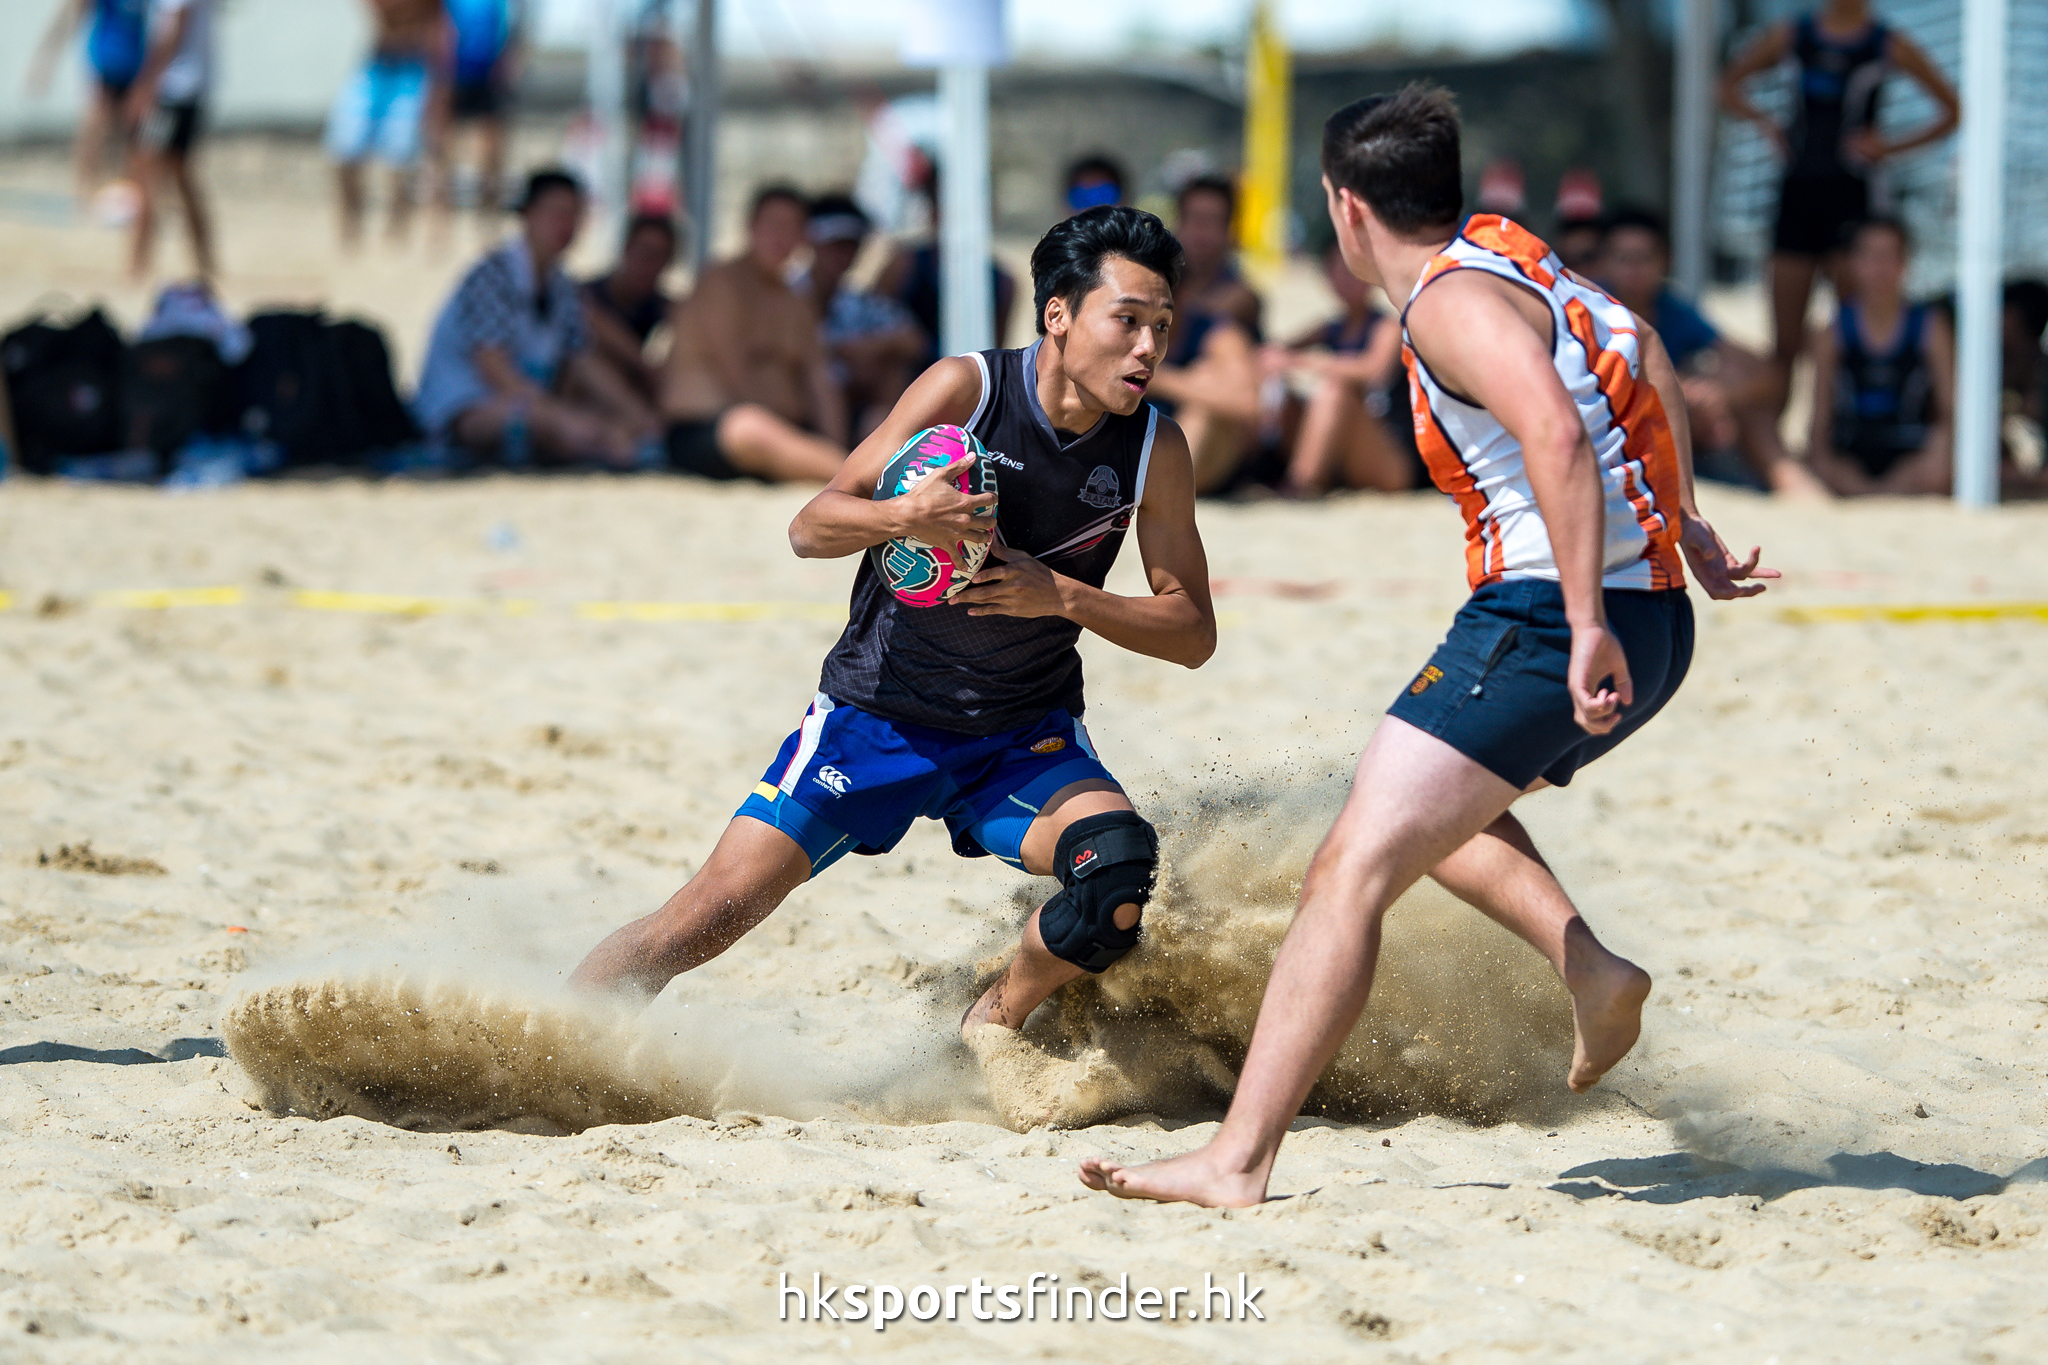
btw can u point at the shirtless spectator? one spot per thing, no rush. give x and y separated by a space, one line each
510 373
1884 378
624 307
874 346
1730 392
382 112
1209 379
1340 435
746 388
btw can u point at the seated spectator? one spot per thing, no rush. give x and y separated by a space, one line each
1729 391
1884 378
2023 378
912 279
1095 181
623 308
509 370
1209 379
746 388
874 346
1580 217
1340 435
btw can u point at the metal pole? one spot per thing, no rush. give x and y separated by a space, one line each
605 77
967 315
1980 253
1692 137
701 140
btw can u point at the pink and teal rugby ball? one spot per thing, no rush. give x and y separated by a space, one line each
919 574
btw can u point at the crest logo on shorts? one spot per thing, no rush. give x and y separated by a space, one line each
832 780
1103 488
1049 746
1422 682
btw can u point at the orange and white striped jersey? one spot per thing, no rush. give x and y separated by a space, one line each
1474 459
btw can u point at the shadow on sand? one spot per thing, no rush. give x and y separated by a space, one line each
1679 1177
177 1050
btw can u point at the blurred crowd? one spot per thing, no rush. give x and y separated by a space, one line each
782 357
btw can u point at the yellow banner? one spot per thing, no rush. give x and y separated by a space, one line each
1268 98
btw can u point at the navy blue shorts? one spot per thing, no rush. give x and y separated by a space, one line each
849 781
1495 688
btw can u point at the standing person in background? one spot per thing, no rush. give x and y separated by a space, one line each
1884 378
484 68
746 389
1729 391
382 112
1095 181
114 48
874 346
624 306
167 108
1341 439
1834 156
509 372
1209 379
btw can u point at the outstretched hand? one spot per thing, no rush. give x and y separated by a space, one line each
1719 572
938 513
1012 583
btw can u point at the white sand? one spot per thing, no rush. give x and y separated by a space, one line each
1827 851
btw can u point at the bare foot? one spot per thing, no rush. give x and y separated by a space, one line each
1196 1178
978 1013
1607 1010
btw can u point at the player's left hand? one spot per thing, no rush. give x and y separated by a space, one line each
1866 147
1017 586
1719 572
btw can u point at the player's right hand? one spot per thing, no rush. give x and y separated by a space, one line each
938 513
1598 679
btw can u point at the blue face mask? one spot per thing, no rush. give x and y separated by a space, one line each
1095 196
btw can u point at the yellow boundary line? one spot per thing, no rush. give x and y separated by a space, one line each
1918 612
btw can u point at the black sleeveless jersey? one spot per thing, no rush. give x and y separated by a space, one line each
1064 499
1838 88
1884 400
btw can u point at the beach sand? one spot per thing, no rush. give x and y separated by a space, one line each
1828 852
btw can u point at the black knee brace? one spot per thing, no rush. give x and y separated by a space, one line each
1102 861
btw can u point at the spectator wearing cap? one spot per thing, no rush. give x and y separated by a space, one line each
873 344
1578 214
746 389
1728 390
510 372
625 306
1095 181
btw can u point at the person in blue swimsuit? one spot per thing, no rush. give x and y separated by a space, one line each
115 43
478 93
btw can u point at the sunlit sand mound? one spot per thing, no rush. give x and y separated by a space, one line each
446 1056
1464 1020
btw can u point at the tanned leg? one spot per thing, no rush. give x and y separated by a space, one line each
1500 873
752 870
1414 802
1034 973
758 442
1791 289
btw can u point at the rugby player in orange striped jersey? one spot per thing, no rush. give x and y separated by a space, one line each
1553 418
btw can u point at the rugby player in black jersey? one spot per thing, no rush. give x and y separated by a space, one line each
970 711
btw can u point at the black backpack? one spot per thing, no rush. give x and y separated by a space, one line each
172 389
321 390
64 384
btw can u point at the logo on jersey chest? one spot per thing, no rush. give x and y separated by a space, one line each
997 457
1103 488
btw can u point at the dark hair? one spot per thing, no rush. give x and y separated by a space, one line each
1098 165
651 222
1636 218
1399 153
1208 184
1883 223
545 181
1067 262
2029 297
839 205
779 189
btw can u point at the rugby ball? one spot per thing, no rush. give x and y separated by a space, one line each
924 575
